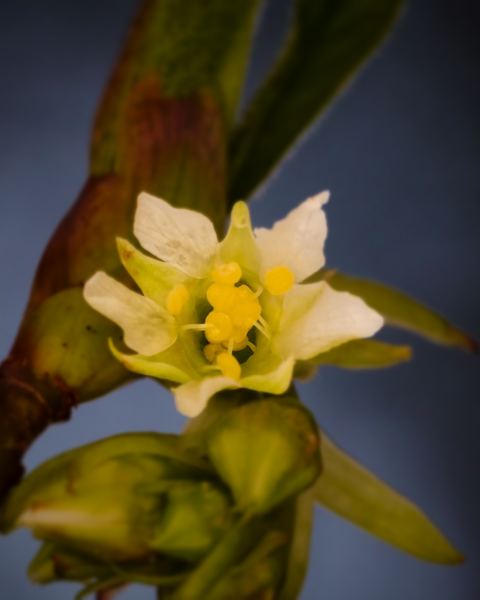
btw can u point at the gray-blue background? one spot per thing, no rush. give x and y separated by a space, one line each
400 153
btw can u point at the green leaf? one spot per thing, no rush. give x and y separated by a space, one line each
348 489
356 354
328 42
402 311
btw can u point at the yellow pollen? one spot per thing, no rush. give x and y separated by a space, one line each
220 327
227 273
211 351
239 334
279 280
176 299
222 297
247 309
236 345
229 365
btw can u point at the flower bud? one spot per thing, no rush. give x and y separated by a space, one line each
194 518
266 451
123 498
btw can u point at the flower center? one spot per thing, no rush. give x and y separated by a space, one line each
236 310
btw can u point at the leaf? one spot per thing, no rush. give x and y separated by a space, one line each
402 311
328 42
348 489
357 354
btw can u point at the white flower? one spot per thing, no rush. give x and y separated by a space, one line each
226 315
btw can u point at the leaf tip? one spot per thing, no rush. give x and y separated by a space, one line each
465 341
403 353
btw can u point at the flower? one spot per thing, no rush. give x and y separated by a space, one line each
224 315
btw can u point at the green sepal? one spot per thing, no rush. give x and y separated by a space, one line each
154 277
154 366
400 310
352 492
328 42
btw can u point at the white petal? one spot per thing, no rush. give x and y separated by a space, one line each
333 318
297 241
148 327
184 238
192 397
276 381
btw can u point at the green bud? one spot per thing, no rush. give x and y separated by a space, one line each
195 517
266 451
118 500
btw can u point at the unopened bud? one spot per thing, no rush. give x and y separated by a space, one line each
194 518
118 500
266 451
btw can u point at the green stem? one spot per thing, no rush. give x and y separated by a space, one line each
233 547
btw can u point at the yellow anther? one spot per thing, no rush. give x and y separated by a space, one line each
279 280
239 334
229 365
236 345
227 273
176 299
219 327
222 297
247 309
211 351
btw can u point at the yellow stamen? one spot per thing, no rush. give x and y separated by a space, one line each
263 322
195 326
247 309
236 346
222 297
230 345
229 365
211 351
262 329
227 273
239 334
279 280
176 299
220 327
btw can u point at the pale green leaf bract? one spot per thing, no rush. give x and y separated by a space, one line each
355 354
352 492
400 310
328 42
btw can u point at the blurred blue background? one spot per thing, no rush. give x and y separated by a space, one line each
400 153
